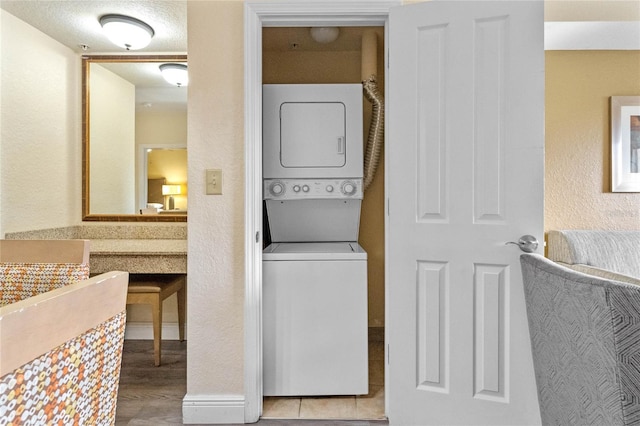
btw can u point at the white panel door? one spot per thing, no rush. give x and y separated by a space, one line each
465 157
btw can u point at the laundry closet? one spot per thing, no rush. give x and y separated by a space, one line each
323 263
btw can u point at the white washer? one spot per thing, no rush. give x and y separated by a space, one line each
315 319
314 276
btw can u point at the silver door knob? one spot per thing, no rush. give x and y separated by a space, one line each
527 243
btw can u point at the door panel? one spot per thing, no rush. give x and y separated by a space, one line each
465 157
313 134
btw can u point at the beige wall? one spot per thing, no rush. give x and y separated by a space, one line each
343 67
112 154
161 127
591 10
216 222
40 146
578 166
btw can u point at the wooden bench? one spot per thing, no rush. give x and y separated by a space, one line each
153 289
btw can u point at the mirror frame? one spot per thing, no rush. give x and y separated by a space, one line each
86 215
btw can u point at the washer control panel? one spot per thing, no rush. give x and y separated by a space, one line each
300 189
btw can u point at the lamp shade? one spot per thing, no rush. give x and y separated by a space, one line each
170 189
176 74
127 32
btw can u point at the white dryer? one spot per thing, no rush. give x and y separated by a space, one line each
312 131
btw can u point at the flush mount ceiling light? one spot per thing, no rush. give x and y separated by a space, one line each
324 34
175 74
127 32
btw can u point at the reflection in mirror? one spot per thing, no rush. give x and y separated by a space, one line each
160 165
134 140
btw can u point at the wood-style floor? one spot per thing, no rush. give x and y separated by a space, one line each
150 395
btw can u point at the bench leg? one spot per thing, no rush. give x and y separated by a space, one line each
181 312
156 311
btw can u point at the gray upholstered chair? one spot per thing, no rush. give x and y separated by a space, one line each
585 339
608 254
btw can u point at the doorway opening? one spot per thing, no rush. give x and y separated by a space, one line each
290 55
259 15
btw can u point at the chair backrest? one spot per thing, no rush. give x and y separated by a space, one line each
31 267
44 251
615 251
585 337
65 348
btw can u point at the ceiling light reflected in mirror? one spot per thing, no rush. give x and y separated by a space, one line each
175 74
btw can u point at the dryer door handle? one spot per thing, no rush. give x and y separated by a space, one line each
341 145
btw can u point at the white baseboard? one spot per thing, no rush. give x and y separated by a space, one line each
212 409
144 331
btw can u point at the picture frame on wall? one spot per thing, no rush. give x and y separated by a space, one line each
625 143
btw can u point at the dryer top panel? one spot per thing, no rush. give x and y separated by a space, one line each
312 130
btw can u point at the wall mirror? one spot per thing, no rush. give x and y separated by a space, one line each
134 140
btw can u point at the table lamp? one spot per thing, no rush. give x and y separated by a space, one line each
170 190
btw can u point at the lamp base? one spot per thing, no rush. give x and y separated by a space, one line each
171 203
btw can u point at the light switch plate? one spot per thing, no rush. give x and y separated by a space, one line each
214 182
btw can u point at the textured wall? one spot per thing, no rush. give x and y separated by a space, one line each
216 222
40 146
578 142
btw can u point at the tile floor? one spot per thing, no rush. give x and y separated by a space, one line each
361 407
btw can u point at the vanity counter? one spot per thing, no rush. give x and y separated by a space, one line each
135 248
139 256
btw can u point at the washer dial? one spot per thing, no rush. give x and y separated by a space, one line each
348 187
276 188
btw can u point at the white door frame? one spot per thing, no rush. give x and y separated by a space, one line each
258 14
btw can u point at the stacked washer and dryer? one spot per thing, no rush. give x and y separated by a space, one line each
314 278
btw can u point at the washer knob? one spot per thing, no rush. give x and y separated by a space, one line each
348 188
296 188
305 188
276 188
329 188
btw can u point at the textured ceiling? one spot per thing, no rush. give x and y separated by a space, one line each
75 23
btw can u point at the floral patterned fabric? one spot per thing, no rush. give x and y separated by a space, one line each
75 383
19 281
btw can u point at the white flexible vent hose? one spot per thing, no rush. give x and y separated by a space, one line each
376 130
